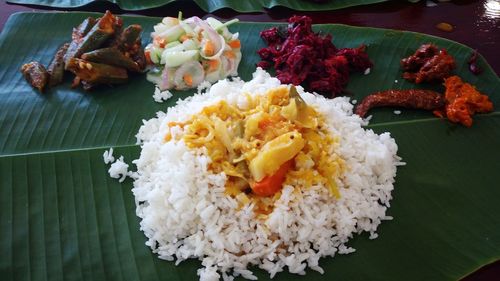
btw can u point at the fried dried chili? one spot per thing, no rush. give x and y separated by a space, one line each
428 64
462 101
417 99
301 56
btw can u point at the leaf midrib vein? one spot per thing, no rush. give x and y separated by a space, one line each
69 150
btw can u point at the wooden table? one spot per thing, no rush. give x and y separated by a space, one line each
476 24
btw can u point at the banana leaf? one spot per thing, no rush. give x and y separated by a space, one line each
130 5
299 5
209 5
63 218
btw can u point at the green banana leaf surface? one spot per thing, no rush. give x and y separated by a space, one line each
299 5
210 5
63 218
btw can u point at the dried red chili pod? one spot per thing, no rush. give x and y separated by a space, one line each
414 98
473 67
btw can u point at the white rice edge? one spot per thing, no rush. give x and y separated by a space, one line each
161 96
108 156
119 170
185 214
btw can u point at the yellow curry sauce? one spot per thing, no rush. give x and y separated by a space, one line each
251 145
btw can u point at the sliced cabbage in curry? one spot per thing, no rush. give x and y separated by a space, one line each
273 140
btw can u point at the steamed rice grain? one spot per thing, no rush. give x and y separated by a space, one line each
186 214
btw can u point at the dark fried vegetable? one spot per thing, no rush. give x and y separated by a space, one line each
100 52
129 37
140 59
129 43
56 67
97 73
36 74
112 41
414 98
77 36
428 64
414 62
80 31
112 56
102 31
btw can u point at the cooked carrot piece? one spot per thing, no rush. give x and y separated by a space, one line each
235 44
184 37
188 79
230 54
213 65
269 185
209 48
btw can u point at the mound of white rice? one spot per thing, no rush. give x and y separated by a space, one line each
185 213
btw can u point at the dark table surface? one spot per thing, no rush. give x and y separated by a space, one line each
475 24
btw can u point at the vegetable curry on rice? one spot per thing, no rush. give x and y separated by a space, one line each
277 139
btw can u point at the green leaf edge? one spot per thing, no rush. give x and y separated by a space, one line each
207 6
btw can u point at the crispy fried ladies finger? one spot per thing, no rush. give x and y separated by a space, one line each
36 74
129 43
102 31
77 36
111 56
129 37
97 73
140 59
56 67
80 31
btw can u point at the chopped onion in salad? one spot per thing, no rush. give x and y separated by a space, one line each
184 53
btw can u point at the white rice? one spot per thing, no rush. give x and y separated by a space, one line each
161 96
185 213
108 156
119 169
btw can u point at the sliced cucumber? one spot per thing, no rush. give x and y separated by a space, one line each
155 55
172 44
176 58
214 23
166 24
186 28
194 70
190 44
158 28
170 21
172 34
176 49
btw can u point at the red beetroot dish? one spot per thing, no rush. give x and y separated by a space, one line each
301 56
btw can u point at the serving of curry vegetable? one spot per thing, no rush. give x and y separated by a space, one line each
276 139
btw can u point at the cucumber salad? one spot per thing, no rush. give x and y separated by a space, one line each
186 52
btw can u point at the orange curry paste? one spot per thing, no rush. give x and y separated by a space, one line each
462 101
